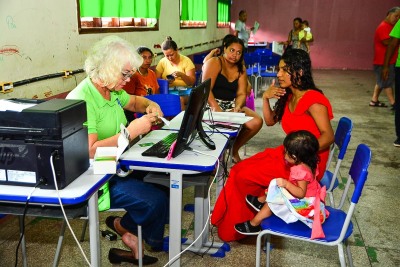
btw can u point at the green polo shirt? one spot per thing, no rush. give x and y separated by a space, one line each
396 34
103 117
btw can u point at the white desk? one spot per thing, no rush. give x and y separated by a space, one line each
224 117
82 189
188 162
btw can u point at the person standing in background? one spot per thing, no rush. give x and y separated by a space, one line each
391 49
241 30
381 41
293 37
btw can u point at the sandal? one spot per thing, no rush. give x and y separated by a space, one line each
377 104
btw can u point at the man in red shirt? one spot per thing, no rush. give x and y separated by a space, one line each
381 41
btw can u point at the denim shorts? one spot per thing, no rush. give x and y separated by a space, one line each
378 73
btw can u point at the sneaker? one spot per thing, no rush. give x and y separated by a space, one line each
247 229
397 142
254 203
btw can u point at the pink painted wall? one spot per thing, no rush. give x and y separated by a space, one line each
343 30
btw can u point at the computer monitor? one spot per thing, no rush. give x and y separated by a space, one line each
192 119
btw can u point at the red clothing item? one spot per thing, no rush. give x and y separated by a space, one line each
138 84
253 175
382 33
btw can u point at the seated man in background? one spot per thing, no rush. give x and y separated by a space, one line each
144 81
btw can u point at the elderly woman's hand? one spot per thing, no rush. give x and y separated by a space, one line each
142 125
153 107
273 92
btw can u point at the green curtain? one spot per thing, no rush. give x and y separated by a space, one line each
223 10
194 10
120 8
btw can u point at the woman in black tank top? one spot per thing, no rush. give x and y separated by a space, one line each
228 89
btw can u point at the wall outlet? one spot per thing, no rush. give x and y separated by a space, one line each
6 87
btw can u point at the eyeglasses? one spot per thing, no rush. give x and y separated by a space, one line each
127 75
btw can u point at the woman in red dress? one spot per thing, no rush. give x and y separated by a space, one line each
300 106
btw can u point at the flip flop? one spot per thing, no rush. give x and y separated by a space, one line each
377 104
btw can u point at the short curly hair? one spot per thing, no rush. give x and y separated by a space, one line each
107 58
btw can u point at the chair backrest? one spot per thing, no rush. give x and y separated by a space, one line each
163 86
263 51
358 174
342 139
170 104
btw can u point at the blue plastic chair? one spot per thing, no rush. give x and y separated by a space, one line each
342 139
170 104
337 227
265 62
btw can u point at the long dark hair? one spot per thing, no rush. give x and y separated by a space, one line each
298 65
302 146
231 40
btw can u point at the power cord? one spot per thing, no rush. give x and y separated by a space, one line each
23 221
209 209
54 153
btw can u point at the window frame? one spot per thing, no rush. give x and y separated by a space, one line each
228 25
88 30
191 23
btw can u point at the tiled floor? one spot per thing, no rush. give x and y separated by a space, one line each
376 237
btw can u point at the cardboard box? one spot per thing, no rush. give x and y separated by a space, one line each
106 158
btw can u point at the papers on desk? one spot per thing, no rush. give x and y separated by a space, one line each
256 27
232 117
6 104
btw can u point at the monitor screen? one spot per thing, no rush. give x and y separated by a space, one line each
191 122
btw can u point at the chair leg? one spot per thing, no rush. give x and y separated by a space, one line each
349 256
59 244
140 245
258 249
341 255
85 223
268 249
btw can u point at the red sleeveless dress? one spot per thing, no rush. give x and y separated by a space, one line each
253 175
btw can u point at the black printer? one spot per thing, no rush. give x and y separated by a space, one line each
30 138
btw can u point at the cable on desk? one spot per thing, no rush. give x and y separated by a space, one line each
209 208
55 153
22 230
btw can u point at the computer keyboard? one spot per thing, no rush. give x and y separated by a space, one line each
161 148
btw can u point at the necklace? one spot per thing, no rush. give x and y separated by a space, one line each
141 72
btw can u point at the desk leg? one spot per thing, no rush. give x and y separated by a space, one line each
94 231
175 216
220 175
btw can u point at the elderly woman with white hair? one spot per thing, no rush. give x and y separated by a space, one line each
109 65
